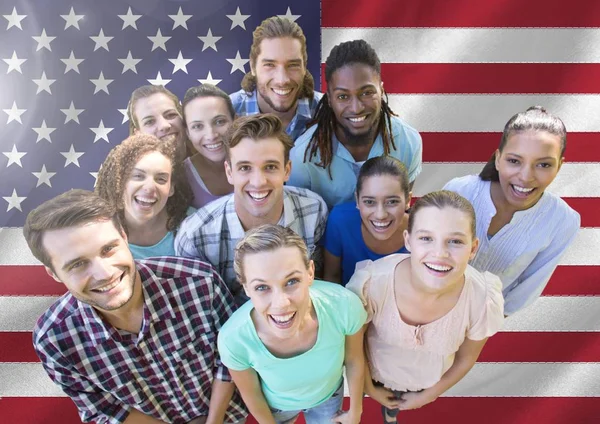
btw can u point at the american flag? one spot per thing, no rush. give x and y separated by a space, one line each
455 70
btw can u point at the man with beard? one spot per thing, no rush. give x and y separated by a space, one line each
130 342
278 81
353 123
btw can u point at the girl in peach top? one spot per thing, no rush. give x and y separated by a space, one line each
429 313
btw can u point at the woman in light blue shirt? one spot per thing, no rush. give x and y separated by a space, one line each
144 180
523 229
285 348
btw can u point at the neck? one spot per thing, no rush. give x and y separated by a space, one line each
358 146
424 294
200 161
248 221
149 232
129 317
500 203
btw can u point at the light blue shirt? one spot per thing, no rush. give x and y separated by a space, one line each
165 247
526 251
344 169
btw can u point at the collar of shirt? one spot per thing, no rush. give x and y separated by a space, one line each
340 150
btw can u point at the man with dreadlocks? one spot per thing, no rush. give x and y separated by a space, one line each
353 123
278 81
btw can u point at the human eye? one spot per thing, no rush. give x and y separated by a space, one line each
149 122
220 122
367 93
197 127
368 202
261 288
512 161
292 281
75 266
425 238
271 167
162 180
342 96
244 168
269 65
545 165
108 249
137 176
456 241
171 115
392 202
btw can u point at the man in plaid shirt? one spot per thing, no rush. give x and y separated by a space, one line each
278 81
257 165
131 342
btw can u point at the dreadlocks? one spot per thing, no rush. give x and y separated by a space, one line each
347 53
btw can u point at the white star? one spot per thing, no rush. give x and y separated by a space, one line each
159 80
238 19
14 201
101 132
43 41
95 175
44 177
289 15
210 41
159 40
44 132
209 80
43 83
72 63
237 63
72 156
129 63
72 113
180 19
129 19
179 63
72 19
14 63
101 83
124 113
14 114
14 156
14 19
101 40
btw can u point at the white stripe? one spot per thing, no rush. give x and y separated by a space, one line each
530 380
26 380
483 112
557 313
472 45
20 313
573 179
14 249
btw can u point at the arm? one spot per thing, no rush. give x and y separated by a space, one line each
249 387
137 417
465 358
220 396
332 268
355 373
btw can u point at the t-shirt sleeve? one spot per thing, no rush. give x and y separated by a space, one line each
232 353
332 240
356 314
491 314
359 284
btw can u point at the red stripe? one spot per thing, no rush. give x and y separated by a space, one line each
28 280
488 78
460 13
574 280
460 410
542 347
17 347
588 208
479 146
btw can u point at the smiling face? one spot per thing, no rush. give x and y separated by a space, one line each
257 171
94 263
279 72
207 120
441 244
527 165
277 282
355 94
148 188
157 115
382 206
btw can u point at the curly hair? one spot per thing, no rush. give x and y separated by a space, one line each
119 164
276 27
147 91
347 53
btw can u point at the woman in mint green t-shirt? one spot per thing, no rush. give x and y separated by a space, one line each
286 347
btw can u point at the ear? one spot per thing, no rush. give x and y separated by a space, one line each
172 189
311 271
246 289
406 240
474 248
408 200
497 158
52 274
288 170
356 199
228 172
560 162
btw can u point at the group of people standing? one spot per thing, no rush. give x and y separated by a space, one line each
240 251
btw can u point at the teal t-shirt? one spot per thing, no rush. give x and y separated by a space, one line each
306 380
165 247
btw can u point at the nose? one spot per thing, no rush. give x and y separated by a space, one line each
280 300
101 269
210 133
281 75
257 178
380 212
441 249
163 125
357 105
526 173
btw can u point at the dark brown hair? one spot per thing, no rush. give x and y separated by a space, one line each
207 90
384 165
147 91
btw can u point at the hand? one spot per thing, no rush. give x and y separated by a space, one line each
346 417
385 397
414 400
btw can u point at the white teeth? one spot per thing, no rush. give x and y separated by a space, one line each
213 146
523 189
145 201
282 92
282 319
380 224
107 288
359 119
440 268
258 195
168 137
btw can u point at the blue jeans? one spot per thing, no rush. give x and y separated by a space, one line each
320 414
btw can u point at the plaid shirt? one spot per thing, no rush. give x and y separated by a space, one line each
213 231
247 104
166 370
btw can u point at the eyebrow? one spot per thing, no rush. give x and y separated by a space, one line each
454 233
68 264
361 88
373 197
266 60
520 157
260 280
247 162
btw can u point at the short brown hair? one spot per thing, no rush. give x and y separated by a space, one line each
147 91
440 200
257 127
267 238
70 209
277 27
119 164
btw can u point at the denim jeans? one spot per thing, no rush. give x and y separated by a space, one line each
320 414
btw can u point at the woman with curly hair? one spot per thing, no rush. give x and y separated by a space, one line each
144 180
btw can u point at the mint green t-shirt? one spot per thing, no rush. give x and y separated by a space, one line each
306 380
165 247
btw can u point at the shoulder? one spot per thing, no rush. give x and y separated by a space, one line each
399 127
563 214
211 214
317 96
61 317
302 142
174 267
343 211
304 197
333 294
465 185
239 97
234 330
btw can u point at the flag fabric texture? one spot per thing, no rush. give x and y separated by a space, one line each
454 70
